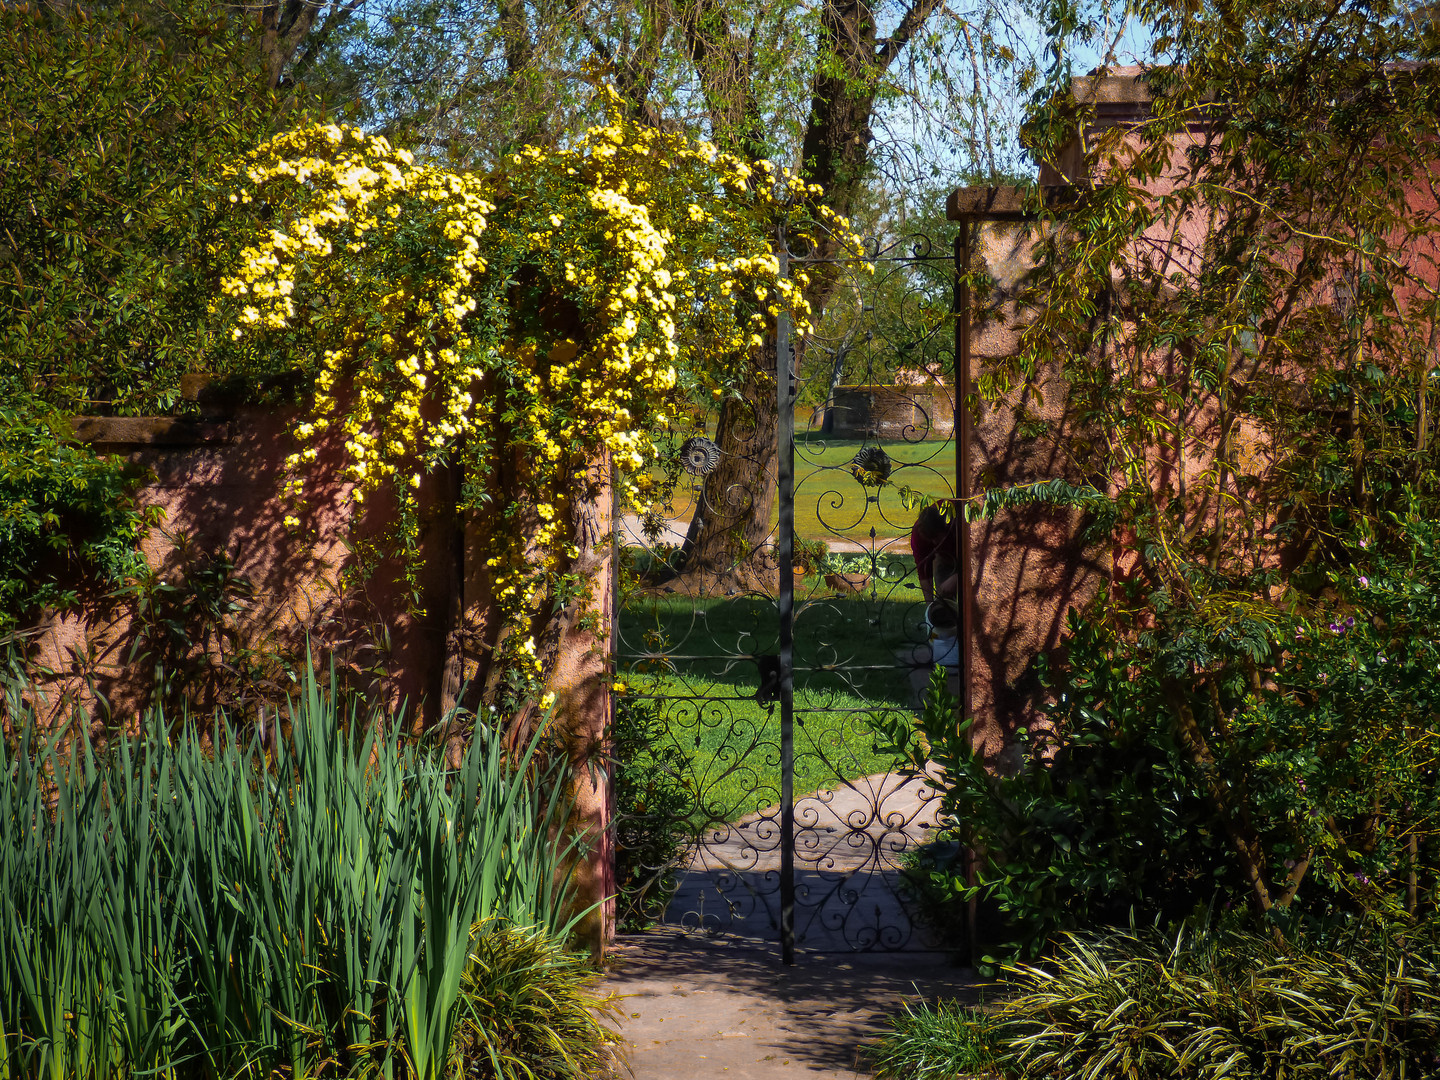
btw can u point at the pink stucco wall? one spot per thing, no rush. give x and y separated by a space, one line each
1030 567
216 483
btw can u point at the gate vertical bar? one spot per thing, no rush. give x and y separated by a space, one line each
785 553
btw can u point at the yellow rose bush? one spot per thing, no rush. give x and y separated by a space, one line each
529 325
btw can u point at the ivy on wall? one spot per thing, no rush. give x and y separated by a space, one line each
66 516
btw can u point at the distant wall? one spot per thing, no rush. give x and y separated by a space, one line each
911 413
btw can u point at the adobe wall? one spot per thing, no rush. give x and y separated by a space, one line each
911 413
1030 565
215 481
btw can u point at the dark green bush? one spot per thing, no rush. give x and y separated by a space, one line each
116 127
653 806
1162 784
67 517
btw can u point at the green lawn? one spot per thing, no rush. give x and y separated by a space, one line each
831 504
697 658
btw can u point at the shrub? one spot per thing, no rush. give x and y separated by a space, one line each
1362 1002
290 900
530 1010
654 802
66 515
810 555
1110 823
116 122
935 1042
1303 782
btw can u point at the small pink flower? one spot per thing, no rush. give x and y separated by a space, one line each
1364 582
1364 543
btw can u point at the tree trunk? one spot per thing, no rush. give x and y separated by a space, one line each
733 519
726 547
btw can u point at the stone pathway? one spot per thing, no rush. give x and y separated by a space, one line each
850 843
694 1007
706 994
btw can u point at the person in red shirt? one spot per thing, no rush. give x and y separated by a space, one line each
935 543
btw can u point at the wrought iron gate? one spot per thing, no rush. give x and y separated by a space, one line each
754 797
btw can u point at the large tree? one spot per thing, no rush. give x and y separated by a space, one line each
795 84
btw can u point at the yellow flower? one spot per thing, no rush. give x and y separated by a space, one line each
410 348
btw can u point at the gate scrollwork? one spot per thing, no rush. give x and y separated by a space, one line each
869 440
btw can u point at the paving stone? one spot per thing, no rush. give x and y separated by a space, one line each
696 1006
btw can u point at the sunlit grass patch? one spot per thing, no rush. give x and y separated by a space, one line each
733 741
702 659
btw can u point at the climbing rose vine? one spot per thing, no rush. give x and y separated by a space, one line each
524 324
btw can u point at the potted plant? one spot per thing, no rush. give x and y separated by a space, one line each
850 574
809 557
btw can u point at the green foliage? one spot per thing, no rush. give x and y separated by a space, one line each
67 517
1243 303
1055 492
1317 786
943 1041
530 1011
301 897
1362 1002
654 799
1112 822
113 131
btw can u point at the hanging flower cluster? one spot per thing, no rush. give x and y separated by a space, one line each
526 323
358 189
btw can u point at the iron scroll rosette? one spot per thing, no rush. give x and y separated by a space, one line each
871 466
699 456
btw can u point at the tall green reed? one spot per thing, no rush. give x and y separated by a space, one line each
237 905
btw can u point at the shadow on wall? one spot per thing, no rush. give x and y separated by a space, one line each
1031 565
237 594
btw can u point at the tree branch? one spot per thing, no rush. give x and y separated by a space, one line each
337 18
910 22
